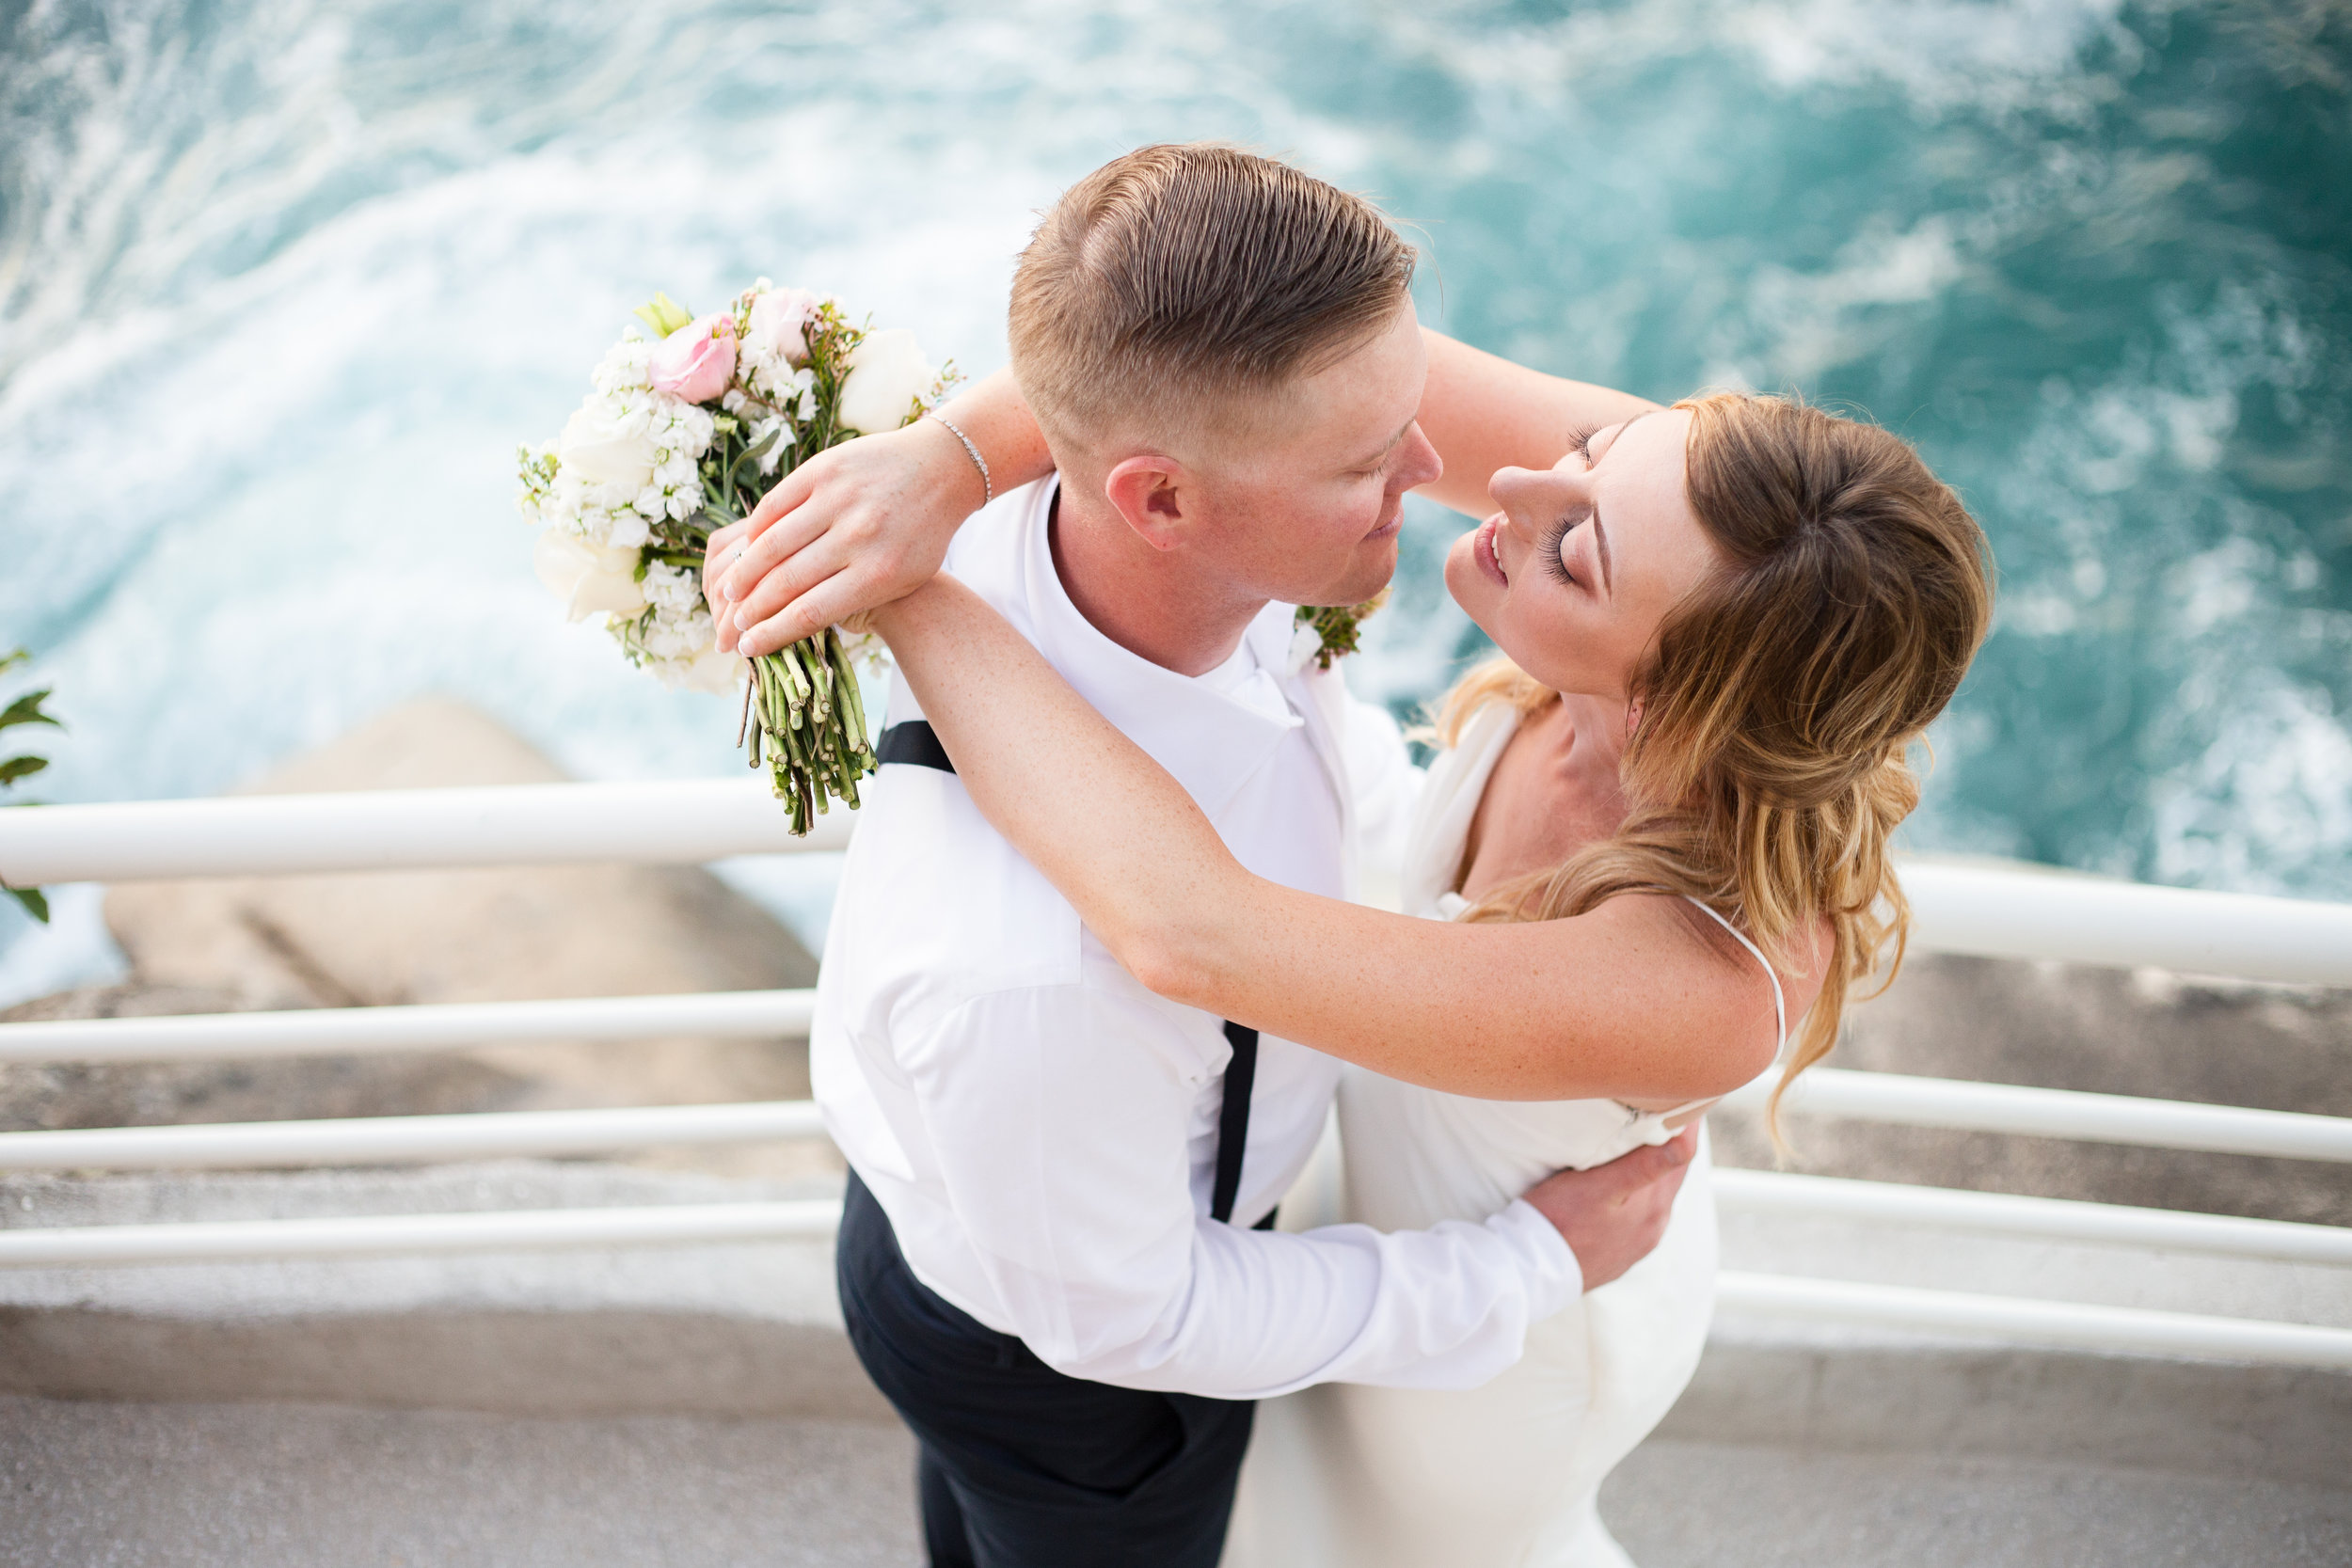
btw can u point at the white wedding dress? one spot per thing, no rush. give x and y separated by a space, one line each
1506 1475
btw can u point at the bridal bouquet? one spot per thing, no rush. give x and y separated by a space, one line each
683 433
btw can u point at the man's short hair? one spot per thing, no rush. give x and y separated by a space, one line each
1175 280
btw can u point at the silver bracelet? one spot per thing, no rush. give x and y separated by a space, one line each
988 486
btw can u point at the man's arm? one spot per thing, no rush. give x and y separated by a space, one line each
1060 1118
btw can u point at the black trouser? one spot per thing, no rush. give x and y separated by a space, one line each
1021 1466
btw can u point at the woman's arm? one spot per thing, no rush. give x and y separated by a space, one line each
1483 412
868 521
871 520
1628 1002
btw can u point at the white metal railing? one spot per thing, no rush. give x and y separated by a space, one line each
500 1230
2112 1118
2046 1322
405 1140
681 822
1960 907
1764 1192
1964 908
2005 914
439 1026
1824 1091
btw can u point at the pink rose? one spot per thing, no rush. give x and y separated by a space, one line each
695 362
778 328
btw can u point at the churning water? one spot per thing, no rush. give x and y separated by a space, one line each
284 282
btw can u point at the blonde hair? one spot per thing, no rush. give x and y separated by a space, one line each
1181 278
1781 697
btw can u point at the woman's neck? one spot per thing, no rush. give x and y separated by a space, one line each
1554 790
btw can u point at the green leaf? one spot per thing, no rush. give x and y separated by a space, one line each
20 768
13 658
26 710
34 905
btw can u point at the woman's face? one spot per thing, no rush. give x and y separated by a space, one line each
1575 573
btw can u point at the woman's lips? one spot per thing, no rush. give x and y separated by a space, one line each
1489 559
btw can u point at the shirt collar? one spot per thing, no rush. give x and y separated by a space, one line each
1209 741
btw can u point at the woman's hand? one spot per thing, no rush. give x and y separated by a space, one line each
865 522
849 530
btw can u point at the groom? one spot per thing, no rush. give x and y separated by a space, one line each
1057 1255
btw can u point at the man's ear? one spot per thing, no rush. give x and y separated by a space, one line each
1156 495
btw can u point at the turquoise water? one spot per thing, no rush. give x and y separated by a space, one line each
283 283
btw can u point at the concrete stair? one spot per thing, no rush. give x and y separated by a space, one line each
698 1405
297 1486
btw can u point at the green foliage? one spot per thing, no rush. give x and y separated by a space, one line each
24 710
1337 627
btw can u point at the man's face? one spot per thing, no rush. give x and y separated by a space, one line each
1301 501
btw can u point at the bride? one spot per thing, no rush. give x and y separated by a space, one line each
1723 625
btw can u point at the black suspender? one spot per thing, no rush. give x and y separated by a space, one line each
1233 1121
916 744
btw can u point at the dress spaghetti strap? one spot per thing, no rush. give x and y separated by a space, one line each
1780 1005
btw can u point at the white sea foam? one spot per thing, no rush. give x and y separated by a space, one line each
280 293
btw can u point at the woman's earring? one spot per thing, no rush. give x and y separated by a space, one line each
1632 717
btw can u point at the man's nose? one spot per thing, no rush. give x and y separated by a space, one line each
1422 465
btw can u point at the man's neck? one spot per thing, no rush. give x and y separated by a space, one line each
1153 603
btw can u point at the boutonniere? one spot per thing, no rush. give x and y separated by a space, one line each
1326 633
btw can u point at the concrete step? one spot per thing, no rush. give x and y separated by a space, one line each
700 1405
84 1485
1682 1504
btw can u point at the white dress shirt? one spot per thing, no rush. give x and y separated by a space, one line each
1043 1131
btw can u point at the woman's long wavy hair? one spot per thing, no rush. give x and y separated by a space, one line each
1781 698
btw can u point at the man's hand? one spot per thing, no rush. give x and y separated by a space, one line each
1614 1215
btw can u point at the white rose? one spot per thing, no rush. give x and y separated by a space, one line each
713 671
887 373
587 577
605 450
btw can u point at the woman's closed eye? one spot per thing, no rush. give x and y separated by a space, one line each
1555 550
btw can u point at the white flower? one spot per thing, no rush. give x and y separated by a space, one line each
672 589
1305 642
887 373
602 445
626 364
680 636
587 577
781 429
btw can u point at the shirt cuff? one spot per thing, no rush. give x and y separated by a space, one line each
1554 1279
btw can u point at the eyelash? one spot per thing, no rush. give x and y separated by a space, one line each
1555 554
